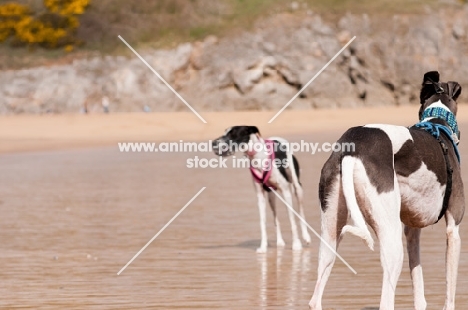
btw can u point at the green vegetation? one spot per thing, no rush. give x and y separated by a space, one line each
165 23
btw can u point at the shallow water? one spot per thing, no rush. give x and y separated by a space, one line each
70 220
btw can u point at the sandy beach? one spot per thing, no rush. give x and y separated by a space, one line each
53 132
75 210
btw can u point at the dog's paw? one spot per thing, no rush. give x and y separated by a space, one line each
280 243
297 245
261 250
306 238
313 307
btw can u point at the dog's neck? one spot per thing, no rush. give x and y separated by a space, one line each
436 105
252 153
439 111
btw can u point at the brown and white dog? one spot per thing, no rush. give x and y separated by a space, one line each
397 174
282 175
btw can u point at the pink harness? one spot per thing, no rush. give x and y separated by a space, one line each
263 178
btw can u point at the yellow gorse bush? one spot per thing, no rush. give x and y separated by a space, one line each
33 31
55 27
10 15
67 7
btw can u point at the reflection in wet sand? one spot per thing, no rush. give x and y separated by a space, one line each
263 285
284 275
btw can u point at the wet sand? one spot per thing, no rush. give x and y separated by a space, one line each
72 217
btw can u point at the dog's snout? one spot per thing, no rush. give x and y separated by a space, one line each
220 147
215 145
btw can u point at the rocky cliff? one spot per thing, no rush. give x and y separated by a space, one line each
262 69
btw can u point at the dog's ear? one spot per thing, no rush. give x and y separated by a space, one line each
253 130
431 76
428 89
454 90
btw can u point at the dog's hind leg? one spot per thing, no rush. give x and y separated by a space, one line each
452 259
279 237
333 218
382 211
299 192
300 201
261 201
386 223
286 191
391 258
412 245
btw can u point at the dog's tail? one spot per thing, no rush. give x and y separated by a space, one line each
295 170
347 178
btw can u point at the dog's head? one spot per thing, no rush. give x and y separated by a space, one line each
433 90
232 139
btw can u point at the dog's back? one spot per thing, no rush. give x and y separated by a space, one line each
386 159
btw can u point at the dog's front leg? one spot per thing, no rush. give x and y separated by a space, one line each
451 260
412 245
262 210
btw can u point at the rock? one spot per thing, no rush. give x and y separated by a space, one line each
196 56
125 81
269 47
377 95
268 62
225 79
458 31
344 36
166 63
244 80
294 5
289 76
211 40
261 69
331 83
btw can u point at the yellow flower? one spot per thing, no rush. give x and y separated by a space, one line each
10 15
13 10
19 21
67 7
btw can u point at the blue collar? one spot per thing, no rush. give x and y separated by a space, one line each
449 117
